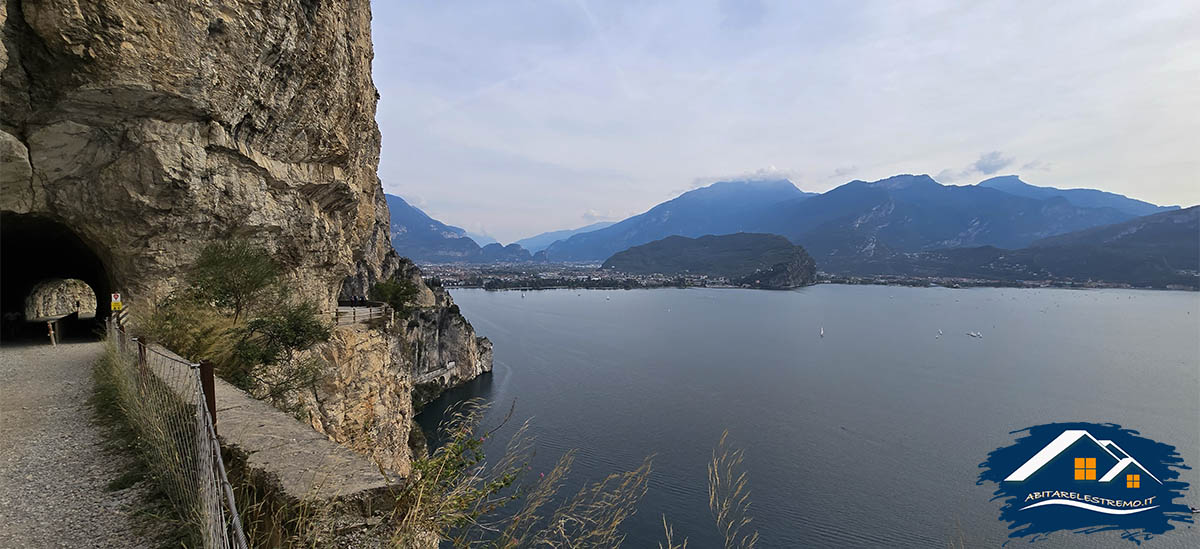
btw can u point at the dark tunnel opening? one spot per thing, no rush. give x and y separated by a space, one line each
35 249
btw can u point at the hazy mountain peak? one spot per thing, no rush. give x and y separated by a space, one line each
481 239
754 183
539 242
1085 198
424 239
720 208
905 181
1002 181
760 188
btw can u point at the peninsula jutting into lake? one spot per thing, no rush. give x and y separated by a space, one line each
743 259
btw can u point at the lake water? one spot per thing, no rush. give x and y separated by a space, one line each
869 436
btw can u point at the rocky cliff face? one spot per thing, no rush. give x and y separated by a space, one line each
799 270
376 380
442 348
150 128
60 297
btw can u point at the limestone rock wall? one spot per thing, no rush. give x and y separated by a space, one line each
365 399
149 128
60 297
376 380
442 348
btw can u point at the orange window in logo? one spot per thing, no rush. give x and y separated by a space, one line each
1085 468
1133 481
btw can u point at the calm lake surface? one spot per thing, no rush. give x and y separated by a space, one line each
869 436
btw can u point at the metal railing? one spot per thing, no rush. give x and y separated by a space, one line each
165 399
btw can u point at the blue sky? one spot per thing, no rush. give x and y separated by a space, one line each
516 117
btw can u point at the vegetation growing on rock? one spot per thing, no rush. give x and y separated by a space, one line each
399 294
238 312
233 275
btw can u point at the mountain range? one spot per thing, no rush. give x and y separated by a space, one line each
426 240
1158 250
721 208
901 224
1087 198
898 214
909 213
541 241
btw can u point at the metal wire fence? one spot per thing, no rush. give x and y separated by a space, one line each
163 397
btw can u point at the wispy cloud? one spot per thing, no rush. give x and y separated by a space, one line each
992 162
520 115
989 163
592 216
1036 166
769 173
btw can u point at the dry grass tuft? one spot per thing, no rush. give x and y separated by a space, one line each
270 520
729 498
593 517
455 496
452 489
669 535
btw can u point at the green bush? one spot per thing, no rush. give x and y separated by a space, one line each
395 292
236 314
265 359
234 275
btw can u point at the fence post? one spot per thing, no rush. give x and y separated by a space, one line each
142 374
50 331
209 384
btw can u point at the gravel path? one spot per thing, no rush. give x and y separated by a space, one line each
54 469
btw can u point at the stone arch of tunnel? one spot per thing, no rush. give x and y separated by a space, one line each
60 297
35 249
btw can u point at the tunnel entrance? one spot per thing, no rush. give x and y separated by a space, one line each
36 254
58 298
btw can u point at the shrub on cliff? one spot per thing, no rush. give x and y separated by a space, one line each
234 275
395 292
236 313
266 359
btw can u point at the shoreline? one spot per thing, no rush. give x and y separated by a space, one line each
527 276
1016 286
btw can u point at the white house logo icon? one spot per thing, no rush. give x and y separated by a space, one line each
1087 478
1089 457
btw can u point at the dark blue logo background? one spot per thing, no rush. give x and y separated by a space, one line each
1087 478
